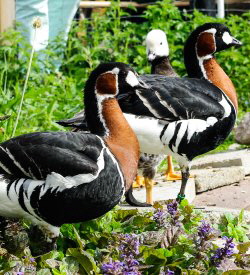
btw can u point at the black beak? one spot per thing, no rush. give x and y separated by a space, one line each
235 42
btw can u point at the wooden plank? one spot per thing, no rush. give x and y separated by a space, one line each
123 4
7 14
237 1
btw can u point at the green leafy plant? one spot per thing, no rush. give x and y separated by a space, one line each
235 227
170 238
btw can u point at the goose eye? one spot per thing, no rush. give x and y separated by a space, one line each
161 43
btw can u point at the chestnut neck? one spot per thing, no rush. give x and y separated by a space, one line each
208 68
120 139
216 75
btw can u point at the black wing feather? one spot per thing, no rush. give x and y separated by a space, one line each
186 98
38 154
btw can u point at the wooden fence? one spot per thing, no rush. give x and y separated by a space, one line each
7 8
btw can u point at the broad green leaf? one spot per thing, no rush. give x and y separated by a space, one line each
236 272
122 214
44 271
156 256
243 247
52 255
84 259
241 216
57 272
80 241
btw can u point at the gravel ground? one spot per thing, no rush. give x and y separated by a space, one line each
235 196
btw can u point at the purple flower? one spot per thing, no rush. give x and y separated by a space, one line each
222 253
160 217
172 208
112 268
204 230
129 244
167 272
32 260
128 267
20 273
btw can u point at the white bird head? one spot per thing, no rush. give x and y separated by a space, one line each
157 44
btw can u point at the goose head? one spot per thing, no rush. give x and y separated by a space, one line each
203 43
211 38
156 45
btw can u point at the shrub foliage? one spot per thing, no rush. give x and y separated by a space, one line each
109 36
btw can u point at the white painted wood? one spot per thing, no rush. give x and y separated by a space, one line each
220 8
7 14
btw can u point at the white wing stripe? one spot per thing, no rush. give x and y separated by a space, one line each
5 168
165 104
147 104
16 162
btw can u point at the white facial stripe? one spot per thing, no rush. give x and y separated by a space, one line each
227 38
116 70
206 57
131 79
212 30
101 97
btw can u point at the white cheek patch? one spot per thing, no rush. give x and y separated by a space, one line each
227 38
131 79
116 70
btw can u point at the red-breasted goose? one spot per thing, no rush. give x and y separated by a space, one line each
186 117
157 50
52 178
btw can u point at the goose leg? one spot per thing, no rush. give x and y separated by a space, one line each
170 174
139 182
185 176
149 183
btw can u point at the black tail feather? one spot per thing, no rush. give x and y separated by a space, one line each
131 200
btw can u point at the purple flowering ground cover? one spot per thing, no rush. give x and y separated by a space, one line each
171 239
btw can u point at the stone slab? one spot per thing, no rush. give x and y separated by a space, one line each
166 190
217 163
208 179
225 159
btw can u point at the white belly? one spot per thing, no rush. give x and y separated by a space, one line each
9 207
148 132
